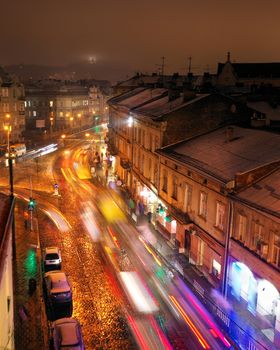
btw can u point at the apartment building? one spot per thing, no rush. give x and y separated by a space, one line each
226 181
12 111
53 105
144 120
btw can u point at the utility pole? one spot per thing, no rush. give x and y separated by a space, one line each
190 64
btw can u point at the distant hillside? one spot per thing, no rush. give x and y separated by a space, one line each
75 71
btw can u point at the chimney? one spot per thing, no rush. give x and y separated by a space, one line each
173 92
229 134
188 93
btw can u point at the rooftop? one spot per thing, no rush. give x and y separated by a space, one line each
137 97
215 154
265 193
162 106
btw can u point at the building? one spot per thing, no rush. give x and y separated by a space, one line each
143 120
226 182
12 111
247 77
6 274
53 105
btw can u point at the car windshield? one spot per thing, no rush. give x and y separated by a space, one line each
52 256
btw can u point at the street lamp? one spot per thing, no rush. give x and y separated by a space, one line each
8 128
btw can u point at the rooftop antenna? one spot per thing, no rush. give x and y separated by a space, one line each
162 65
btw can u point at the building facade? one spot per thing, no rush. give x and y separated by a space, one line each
227 182
6 275
12 111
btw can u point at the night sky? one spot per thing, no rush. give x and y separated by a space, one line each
134 34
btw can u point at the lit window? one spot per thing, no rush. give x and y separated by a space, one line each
216 268
61 114
25 103
220 214
203 204
51 103
34 113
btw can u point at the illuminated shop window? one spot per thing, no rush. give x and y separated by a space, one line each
216 268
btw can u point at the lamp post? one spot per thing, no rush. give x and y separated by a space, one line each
8 128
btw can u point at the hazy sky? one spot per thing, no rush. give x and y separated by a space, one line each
135 34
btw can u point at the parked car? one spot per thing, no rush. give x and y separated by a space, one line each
67 334
57 286
52 258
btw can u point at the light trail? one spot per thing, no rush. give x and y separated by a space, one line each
196 332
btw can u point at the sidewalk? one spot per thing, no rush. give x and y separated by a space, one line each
29 307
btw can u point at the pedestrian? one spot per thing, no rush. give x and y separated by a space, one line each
149 215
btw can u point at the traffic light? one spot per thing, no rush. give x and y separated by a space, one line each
31 203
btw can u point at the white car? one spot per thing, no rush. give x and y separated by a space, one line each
57 287
52 258
67 334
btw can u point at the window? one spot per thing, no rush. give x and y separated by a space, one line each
164 184
150 170
276 250
216 268
51 103
15 107
220 215
187 198
5 92
175 187
61 114
22 106
34 113
85 102
241 228
257 235
6 107
143 164
203 204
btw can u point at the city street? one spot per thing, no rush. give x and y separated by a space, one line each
104 256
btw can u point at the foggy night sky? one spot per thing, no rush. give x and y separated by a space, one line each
135 34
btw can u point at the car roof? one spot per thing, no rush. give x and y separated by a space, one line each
68 330
49 250
56 275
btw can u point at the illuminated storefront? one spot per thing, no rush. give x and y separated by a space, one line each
261 296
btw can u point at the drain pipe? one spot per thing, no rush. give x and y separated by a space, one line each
226 254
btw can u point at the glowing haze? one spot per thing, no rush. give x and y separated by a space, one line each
132 35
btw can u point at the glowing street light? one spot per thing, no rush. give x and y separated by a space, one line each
87 134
